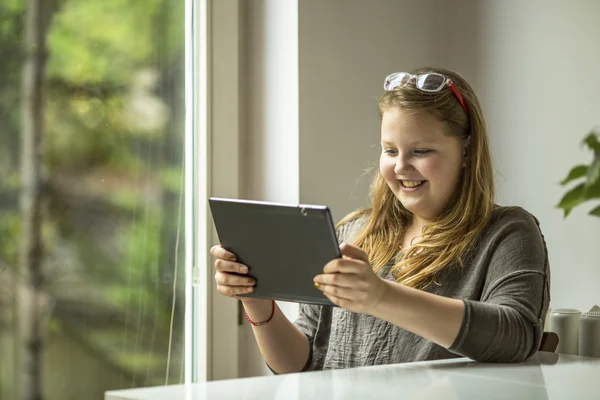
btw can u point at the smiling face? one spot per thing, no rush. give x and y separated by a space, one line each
419 161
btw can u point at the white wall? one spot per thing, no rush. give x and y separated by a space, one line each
538 76
347 47
534 65
271 76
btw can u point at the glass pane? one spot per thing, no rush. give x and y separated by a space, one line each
91 181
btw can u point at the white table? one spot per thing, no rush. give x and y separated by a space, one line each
544 376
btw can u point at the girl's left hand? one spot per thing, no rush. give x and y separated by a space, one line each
350 282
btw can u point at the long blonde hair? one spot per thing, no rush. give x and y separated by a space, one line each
448 239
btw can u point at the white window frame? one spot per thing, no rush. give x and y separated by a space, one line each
196 187
213 164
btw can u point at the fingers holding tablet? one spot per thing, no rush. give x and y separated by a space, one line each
219 252
229 284
228 278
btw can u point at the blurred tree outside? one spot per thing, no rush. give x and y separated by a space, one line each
30 302
110 177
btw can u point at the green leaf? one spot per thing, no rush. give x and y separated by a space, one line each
591 140
593 173
572 198
593 191
595 211
577 172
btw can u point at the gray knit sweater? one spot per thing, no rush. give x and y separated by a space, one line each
505 288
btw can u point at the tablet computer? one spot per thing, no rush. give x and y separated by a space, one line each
284 246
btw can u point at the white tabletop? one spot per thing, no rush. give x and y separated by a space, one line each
544 376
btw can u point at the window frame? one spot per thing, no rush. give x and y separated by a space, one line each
213 166
196 186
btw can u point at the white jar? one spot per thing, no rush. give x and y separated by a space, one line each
547 320
565 323
589 334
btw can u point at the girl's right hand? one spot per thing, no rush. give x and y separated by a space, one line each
229 283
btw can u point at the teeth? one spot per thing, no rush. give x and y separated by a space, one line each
411 184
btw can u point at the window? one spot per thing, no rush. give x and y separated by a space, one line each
92 196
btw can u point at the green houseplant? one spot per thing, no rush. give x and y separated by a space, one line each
588 177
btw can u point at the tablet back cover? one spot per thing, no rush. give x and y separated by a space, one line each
284 246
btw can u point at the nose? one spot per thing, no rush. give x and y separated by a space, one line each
402 165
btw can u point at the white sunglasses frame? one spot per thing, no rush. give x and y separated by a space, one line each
392 78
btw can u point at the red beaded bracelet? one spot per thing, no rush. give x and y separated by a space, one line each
263 322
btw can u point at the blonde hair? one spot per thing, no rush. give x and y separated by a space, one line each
448 239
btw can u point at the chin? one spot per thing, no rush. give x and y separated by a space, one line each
417 207
409 204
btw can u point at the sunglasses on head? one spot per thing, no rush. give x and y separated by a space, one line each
430 82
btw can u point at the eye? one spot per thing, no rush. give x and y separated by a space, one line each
390 151
421 152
